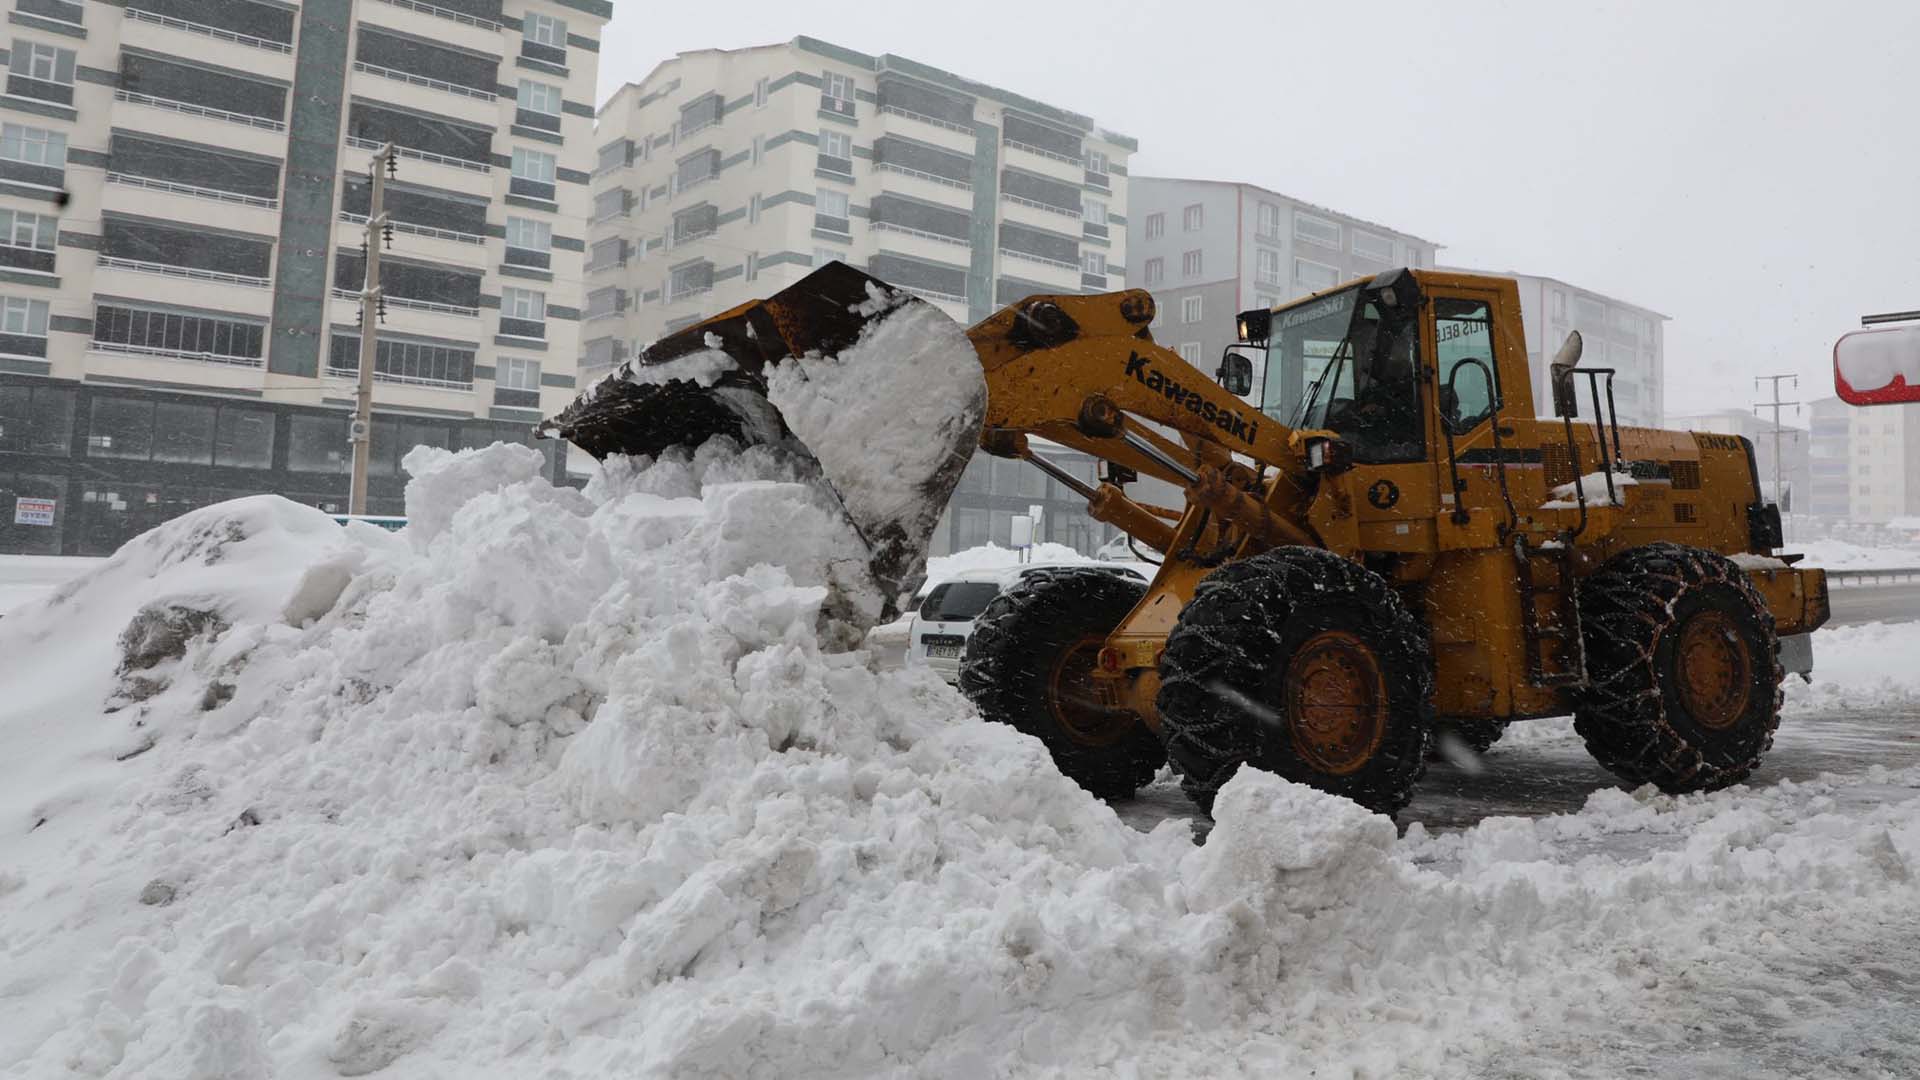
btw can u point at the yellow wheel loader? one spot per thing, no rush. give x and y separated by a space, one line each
1387 542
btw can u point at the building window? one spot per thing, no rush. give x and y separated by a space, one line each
1097 162
533 174
1266 219
1190 351
836 152
544 30
516 373
836 93
753 209
1190 309
1093 262
20 229
694 277
22 317
539 105
32 145
1316 230
1315 276
1156 270
523 313
759 93
1192 218
823 256
1266 267
1266 300
1190 264
405 361
1559 306
832 212
1369 246
1156 226
1159 317
529 235
1093 211
167 333
46 63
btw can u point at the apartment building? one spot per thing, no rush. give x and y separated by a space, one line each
1613 334
1883 443
726 175
183 185
1830 453
1210 249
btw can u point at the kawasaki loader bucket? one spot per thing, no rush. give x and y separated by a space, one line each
876 386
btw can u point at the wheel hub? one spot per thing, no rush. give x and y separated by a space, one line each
1336 702
1075 698
1715 672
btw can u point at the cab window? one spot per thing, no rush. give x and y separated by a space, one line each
1469 387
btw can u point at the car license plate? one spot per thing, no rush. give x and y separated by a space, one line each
944 652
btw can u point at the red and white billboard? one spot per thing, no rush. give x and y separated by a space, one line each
1879 365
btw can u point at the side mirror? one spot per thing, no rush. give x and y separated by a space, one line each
1235 374
1565 401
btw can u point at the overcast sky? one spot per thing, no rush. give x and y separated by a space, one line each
1750 169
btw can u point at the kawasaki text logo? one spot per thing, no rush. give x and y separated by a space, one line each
1227 420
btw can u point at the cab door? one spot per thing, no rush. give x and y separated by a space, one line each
1468 341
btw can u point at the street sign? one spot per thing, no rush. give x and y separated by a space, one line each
1878 365
34 511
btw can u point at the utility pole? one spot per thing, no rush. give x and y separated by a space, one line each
1776 405
373 308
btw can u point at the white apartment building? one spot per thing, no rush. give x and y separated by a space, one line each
1210 249
726 175
1883 458
183 185
1613 334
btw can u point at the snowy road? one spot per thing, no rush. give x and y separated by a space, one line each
1852 606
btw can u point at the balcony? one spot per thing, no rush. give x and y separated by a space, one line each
214 32
192 191
1043 214
421 80
452 173
1039 260
190 109
413 305
116 348
337 372
141 266
461 17
930 121
427 231
1044 162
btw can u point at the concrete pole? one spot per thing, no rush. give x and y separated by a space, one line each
361 431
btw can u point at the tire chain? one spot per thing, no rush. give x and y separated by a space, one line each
1207 746
1624 608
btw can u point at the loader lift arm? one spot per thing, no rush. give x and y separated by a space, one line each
1084 372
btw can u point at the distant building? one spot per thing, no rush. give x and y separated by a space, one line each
1830 457
1613 333
726 175
1883 443
1210 249
183 327
1796 476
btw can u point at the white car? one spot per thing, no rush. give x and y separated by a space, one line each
939 632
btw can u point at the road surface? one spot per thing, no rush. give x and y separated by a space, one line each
1853 605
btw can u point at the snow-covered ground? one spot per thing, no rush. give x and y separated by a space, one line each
1841 555
24 578
561 784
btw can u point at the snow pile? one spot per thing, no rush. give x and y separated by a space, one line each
1866 667
1592 487
26 578
1841 555
563 784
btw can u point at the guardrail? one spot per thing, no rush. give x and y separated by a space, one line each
1905 575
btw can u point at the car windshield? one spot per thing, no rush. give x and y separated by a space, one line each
958 601
1345 364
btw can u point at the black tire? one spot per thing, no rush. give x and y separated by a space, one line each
1227 675
1032 648
1478 735
1683 669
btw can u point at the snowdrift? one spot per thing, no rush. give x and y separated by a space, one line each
563 784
